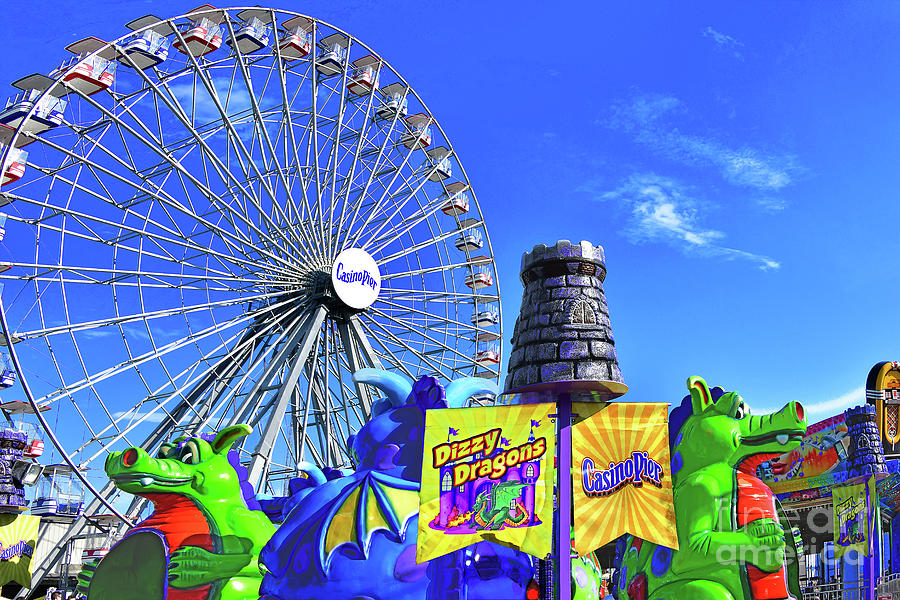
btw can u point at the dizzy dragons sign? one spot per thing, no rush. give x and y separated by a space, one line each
495 464
487 471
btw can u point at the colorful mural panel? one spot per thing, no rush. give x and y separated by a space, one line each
815 463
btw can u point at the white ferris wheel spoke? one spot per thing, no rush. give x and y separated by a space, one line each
238 144
142 316
224 173
160 196
160 397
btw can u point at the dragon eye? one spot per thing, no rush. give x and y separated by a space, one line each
164 451
190 454
742 411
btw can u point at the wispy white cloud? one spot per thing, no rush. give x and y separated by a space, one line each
641 112
92 334
744 167
651 119
130 415
725 42
836 405
234 99
136 332
132 331
770 204
664 210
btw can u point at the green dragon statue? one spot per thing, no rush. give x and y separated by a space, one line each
586 579
734 542
205 512
499 513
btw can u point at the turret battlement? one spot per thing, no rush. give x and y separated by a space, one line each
563 332
563 258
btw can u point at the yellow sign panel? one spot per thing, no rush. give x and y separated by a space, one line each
18 535
853 505
487 474
620 476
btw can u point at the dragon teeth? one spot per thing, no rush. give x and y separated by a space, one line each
782 438
145 481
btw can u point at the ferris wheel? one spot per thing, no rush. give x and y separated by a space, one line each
216 219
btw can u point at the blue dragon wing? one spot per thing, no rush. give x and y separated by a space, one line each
377 502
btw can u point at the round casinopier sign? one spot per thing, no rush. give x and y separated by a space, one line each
356 278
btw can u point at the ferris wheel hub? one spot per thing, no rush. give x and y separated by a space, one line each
356 278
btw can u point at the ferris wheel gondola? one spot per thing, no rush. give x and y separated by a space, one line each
365 75
252 34
296 42
202 33
225 233
92 70
331 59
440 158
148 47
394 101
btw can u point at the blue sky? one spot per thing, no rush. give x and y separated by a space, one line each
737 162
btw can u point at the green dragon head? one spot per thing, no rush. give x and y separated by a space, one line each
717 427
196 466
505 492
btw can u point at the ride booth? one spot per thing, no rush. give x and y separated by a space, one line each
833 489
841 489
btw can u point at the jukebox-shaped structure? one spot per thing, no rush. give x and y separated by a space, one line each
883 391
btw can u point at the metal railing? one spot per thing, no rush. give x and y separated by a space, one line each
834 591
888 587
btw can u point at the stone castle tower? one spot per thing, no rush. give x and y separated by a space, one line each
866 454
563 332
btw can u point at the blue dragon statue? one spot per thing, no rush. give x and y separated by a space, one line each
354 535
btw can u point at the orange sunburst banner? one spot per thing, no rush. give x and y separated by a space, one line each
621 478
18 535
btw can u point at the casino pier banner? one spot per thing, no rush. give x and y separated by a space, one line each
621 479
17 542
487 474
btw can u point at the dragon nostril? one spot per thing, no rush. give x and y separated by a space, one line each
130 457
799 408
